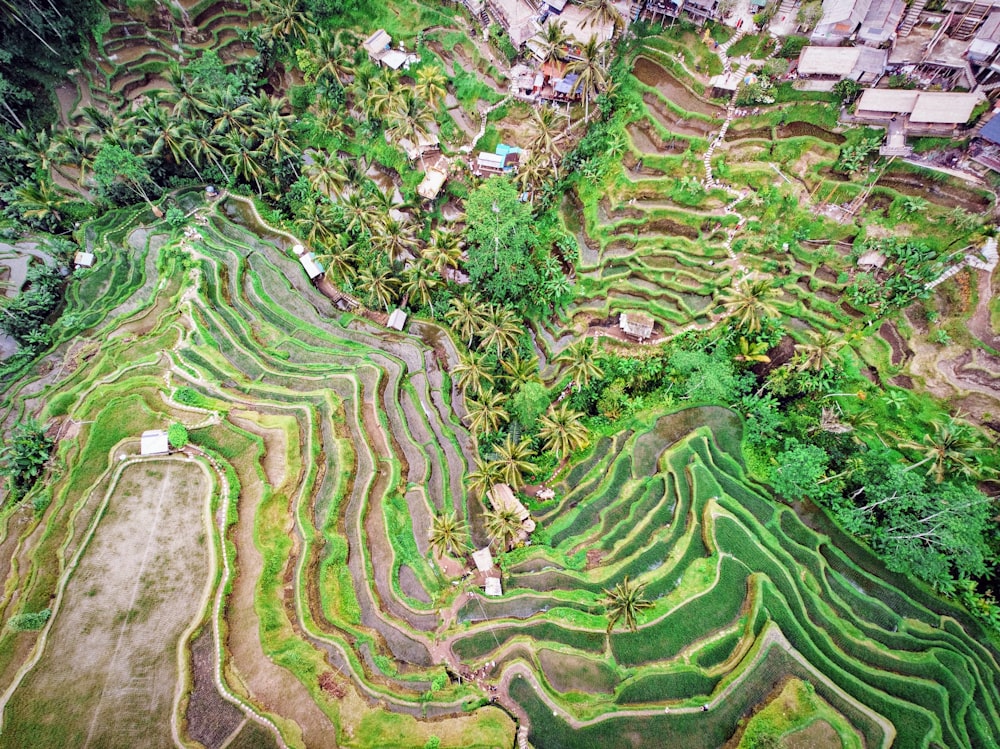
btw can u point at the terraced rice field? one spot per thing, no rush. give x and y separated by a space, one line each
330 442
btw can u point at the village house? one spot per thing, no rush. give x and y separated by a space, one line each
839 21
660 11
308 260
985 147
502 161
380 51
83 259
154 442
636 325
879 25
825 66
397 320
919 112
427 143
434 179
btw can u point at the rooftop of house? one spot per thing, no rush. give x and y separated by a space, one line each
154 442
991 130
397 320
923 107
841 61
636 324
377 42
483 559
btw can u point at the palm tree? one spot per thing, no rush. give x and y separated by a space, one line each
383 95
431 84
519 372
487 412
186 97
226 113
275 132
40 202
419 282
502 526
315 221
444 251
334 53
244 161
514 460
465 315
410 116
592 76
380 284
394 239
563 431
551 40
822 351
752 352
951 447
325 174
449 534
602 13
500 330
533 173
582 360
625 601
750 302
471 373
546 133
482 479
284 21
340 259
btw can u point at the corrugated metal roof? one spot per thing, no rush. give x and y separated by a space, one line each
378 41
991 27
991 130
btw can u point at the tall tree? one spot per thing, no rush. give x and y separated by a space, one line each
514 460
563 431
581 361
625 602
750 302
487 412
590 69
449 534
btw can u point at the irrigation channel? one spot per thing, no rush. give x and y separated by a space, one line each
335 440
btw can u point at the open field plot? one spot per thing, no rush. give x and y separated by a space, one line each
109 670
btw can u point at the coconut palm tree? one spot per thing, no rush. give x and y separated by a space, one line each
36 148
449 534
409 116
380 284
395 239
485 475
245 162
500 330
820 352
519 372
750 302
77 150
590 69
419 282
284 21
533 173
602 13
581 361
205 147
333 52
326 174
487 412
546 134
315 221
563 431
472 373
339 258
502 526
444 251
185 96
466 315
40 202
226 113
514 460
431 84
951 448
551 40
625 602
383 95
274 131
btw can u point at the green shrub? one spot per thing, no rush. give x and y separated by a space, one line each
29 622
177 434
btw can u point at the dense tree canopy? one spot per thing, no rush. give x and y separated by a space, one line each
501 243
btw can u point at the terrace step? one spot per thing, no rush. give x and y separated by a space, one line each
912 16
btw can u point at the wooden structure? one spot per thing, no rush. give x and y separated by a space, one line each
636 325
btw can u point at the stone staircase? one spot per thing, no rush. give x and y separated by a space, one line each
788 9
911 17
522 737
971 21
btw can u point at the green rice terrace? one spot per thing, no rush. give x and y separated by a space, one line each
687 438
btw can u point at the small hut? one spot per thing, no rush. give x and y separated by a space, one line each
83 259
397 320
636 325
154 442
